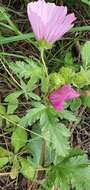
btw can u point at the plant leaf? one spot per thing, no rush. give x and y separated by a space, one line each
85 53
81 79
86 1
55 133
15 168
13 96
5 153
26 69
32 116
35 148
12 101
2 110
75 104
19 138
3 161
68 60
68 115
26 169
13 118
34 96
86 101
73 171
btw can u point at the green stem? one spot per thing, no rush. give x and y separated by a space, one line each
44 64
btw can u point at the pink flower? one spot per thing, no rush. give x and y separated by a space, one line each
49 22
58 97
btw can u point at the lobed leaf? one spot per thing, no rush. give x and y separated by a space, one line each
55 133
32 116
73 171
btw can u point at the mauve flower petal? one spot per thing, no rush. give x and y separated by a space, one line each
57 13
36 23
67 24
58 97
57 102
70 92
39 8
61 29
58 107
56 18
49 22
